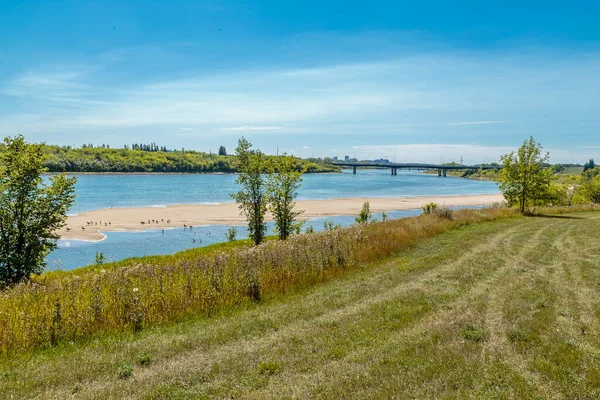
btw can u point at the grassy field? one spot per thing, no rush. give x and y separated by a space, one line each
504 309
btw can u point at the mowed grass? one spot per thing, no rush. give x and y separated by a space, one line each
504 309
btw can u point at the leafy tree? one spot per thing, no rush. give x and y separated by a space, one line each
252 198
30 210
365 214
222 151
589 165
525 179
590 189
282 189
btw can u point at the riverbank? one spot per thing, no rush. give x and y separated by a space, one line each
90 225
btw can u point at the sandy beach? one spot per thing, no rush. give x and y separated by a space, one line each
90 225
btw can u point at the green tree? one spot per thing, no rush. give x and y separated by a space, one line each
365 214
589 165
525 179
252 198
282 188
590 189
222 151
30 211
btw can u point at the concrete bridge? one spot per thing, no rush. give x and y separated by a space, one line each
394 167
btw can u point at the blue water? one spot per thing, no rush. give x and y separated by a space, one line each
104 191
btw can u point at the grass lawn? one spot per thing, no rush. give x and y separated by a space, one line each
506 309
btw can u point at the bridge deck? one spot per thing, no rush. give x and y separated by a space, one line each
411 165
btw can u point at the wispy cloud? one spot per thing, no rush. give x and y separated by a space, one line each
252 128
475 123
402 98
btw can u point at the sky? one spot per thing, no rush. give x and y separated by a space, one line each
411 81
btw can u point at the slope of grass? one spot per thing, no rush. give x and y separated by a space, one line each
81 305
505 309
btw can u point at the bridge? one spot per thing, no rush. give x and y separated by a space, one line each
394 167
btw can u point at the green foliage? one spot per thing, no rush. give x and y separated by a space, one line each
329 225
309 229
222 151
269 368
252 198
125 371
429 208
231 233
145 360
145 158
365 214
384 216
474 334
30 211
590 189
282 189
589 165
525 178
100 259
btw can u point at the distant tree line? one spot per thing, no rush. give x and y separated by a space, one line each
152 158
146 147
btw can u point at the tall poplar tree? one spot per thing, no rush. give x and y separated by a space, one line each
252 197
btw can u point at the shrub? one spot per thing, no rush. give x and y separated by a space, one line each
443 212
429 208
365 214
100 259
231 234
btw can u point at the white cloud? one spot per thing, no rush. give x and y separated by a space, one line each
306 147
252 128
407 98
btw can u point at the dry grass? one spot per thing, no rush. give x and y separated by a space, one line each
507 309
79 305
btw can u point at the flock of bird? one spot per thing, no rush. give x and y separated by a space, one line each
150 221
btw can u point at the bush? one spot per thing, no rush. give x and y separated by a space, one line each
429 208
443 212
231 234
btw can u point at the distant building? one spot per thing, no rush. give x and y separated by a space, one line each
347 158
335 158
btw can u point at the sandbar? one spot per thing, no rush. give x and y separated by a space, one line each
90 225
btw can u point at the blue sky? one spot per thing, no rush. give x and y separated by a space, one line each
412 81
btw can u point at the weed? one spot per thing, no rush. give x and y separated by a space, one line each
125 371
145 359
474 334
269 368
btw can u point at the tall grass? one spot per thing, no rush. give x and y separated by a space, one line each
79 305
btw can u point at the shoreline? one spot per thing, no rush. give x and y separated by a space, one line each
130 219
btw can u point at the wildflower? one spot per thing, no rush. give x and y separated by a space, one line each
136 289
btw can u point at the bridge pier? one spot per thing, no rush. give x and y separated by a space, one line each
394 171
445 172
439 172
354 170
